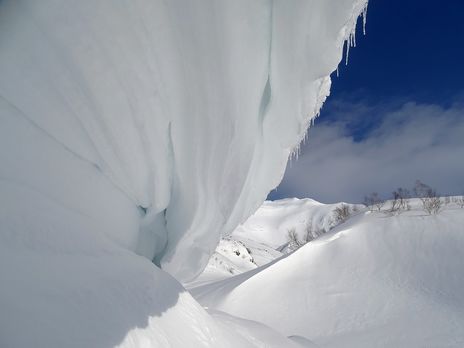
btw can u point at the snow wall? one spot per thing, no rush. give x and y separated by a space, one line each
158 124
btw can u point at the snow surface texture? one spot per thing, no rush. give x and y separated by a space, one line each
167 123
377 280
143 127
64 285
264 237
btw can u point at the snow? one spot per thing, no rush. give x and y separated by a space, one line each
379 279
264 237
140 131
272 221
186 111
66 284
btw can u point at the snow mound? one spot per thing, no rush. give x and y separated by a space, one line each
378 280
63 285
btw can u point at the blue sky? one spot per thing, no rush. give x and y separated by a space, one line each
395 114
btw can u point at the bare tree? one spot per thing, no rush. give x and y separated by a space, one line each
400 200
460 201
404 196
342 213
394 204
310 233
293 241
374 201
431 202
308 236
421 190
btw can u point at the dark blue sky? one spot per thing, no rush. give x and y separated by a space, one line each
413 52
413 49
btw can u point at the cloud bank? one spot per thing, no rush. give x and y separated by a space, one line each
368 148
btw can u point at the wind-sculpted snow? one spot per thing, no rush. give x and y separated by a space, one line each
164 123
379 279
144 127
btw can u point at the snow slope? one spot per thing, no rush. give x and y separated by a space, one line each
264 237
272 221
65 284
139 131
378 280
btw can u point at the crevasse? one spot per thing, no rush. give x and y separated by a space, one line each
159 124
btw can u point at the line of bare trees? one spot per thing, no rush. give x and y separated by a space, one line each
309 234
400 200
340 214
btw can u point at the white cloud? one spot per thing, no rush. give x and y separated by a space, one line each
411 141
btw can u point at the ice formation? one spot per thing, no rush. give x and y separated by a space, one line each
166 123
154 125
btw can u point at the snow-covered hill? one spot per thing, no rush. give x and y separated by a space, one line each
377 280
264 237
273 221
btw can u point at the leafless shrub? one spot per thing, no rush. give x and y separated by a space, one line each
374 201
341 213
431 202
309 234
460 201
446 200
312 232
400 200
421 190
293 240
404 196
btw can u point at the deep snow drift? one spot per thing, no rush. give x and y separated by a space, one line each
377 280
143 127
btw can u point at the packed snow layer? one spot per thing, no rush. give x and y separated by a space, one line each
65 284
378 280
166 123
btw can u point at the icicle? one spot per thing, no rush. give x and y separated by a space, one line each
347 50
364 16
337 72
295 154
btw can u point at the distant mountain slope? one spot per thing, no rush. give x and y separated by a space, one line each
272 221
264 237
377 280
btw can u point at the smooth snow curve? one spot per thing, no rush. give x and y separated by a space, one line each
163 124
377 280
